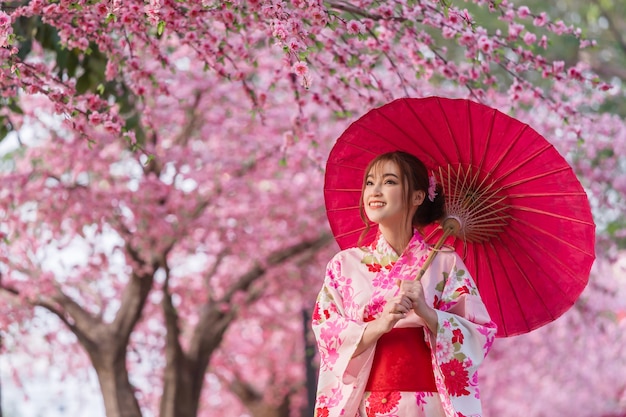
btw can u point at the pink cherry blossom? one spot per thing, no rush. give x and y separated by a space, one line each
355 27
530 38
5 28
515 29
485 44
523 12
540 20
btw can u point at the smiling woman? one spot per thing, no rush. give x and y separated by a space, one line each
405 180
390 344
383 197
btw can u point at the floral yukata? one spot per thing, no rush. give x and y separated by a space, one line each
358 282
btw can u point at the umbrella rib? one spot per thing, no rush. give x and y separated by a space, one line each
384 139
547 146
474 179
447 122
550 195
489 219
566 269
495 286
469 180
346 190
536 177
479 208
448 184
400 129
361 148
491 275
344 165
504 154
468 176
565 266
351 232
432 137
492 215
487 139
484 222
486 235
551 214
528 283
483 202
341 209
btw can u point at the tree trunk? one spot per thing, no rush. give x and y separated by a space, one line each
253 400
310 370
269 410
179 397
117 392
185 371
107 343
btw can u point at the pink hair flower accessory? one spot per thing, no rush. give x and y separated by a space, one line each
432 186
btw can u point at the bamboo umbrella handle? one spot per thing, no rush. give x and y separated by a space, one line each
450 226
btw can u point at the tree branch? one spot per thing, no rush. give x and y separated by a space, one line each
84 334
82 323
83 320
211 272
216 316
254 400
191 125
8 289
356 11
171 318
80 317
131 305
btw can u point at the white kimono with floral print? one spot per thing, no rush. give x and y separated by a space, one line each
358 282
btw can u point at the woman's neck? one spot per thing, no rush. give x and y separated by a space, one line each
397 238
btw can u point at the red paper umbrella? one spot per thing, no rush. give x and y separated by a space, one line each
526 231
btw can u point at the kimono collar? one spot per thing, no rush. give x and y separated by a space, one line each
409 263
415 244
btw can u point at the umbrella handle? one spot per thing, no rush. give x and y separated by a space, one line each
451 226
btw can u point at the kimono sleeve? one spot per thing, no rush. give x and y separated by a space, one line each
337 328
465 334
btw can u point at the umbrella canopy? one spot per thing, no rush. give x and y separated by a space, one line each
527 234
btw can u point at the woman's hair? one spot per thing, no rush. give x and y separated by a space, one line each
413 176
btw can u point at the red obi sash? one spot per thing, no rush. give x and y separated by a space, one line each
402 362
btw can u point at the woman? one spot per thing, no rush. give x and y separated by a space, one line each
391 345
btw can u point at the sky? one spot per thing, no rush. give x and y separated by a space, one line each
44 394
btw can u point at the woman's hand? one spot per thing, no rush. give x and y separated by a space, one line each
396 309
414 290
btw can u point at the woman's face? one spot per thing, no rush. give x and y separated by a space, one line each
383 197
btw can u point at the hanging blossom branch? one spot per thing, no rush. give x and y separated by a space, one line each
484 47
324 43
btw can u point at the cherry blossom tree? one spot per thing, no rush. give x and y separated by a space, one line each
133 243
164 197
